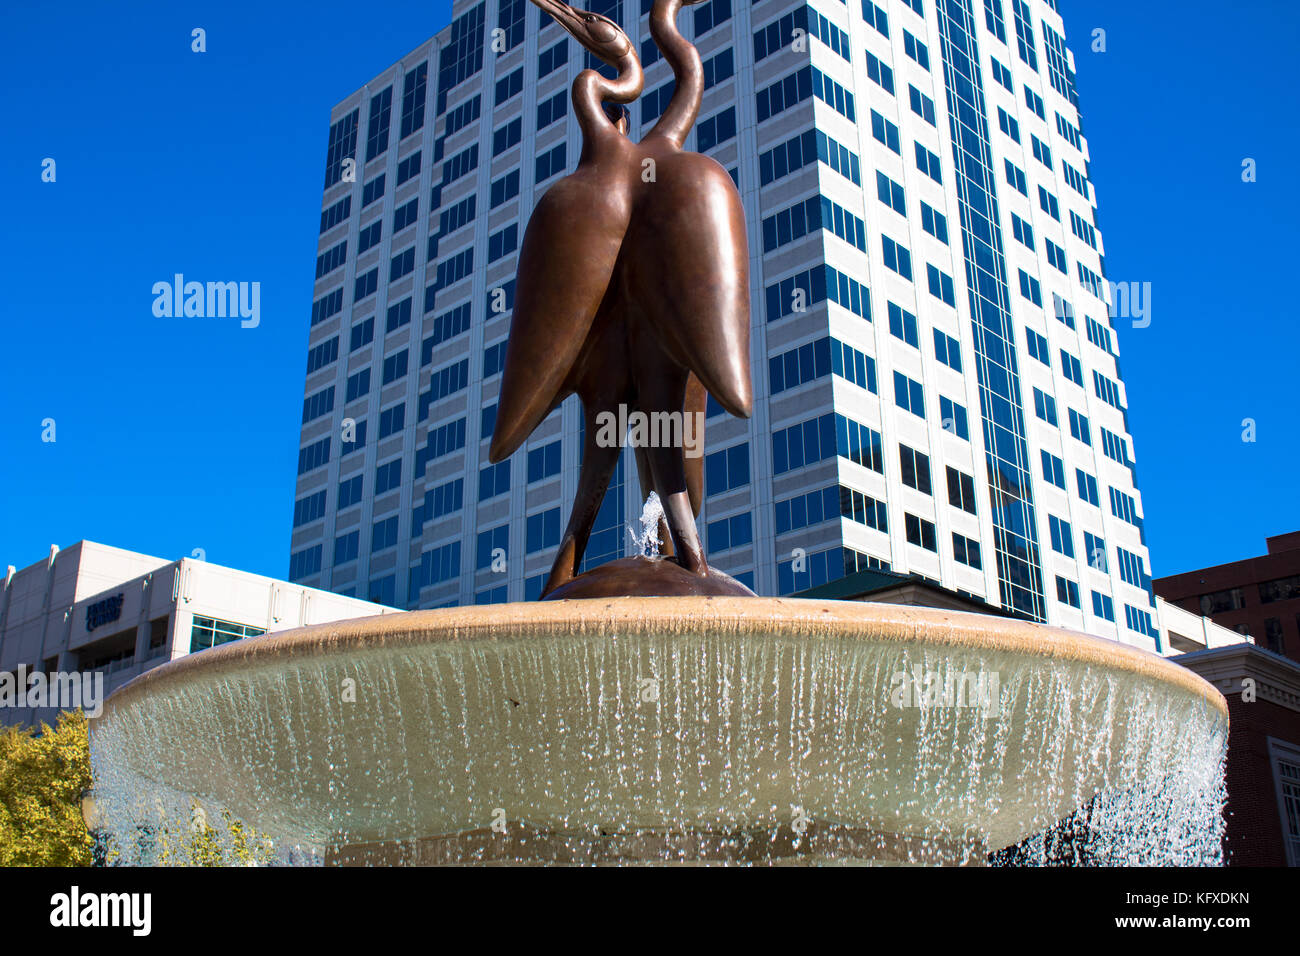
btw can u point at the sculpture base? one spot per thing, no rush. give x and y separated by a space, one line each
649 577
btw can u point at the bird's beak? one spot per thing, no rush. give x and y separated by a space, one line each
564 14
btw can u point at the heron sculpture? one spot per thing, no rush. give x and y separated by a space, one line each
632 291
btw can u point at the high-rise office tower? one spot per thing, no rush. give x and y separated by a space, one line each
936 376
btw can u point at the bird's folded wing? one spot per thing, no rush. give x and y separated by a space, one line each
569 251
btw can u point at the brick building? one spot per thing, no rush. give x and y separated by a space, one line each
1258 596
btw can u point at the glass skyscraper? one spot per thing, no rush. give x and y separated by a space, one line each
936 376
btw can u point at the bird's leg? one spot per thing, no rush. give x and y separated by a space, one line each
667 464
670 481
598 464
647 486
695 409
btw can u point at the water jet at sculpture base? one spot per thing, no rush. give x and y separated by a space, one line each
692 729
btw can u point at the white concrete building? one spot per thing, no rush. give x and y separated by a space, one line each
1186 632
91 607
948 402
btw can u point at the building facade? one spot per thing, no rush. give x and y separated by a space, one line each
937 385
93 609
1183 633
1258 596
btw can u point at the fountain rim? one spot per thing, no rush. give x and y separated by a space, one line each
630 617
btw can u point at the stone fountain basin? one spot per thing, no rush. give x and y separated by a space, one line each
653 728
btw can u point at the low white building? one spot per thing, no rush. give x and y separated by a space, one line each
93 608
1186 632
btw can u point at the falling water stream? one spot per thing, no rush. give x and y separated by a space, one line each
645 541
568 742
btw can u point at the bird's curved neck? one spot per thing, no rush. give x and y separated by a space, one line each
679 117
591 89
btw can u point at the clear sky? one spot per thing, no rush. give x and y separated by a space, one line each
177 434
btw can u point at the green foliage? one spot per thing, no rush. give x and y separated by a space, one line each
201 844
42 777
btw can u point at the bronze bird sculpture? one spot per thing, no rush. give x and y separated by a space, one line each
632 290
708 247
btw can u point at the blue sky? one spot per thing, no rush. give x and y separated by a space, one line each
174 434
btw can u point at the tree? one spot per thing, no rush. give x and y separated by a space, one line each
201 844
42 777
